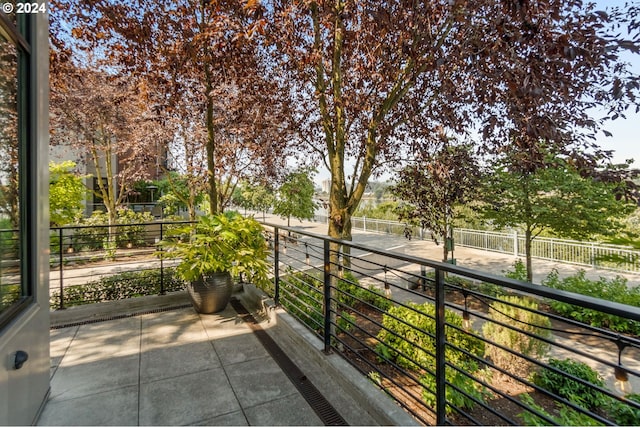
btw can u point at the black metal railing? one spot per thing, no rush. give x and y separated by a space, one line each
450 345
455 346
95 263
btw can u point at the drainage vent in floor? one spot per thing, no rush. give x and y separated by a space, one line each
314 398
120 316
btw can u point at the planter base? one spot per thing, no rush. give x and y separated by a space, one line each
212 293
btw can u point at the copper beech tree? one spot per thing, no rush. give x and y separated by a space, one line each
104 118
432 187
368 83
377 81
206 50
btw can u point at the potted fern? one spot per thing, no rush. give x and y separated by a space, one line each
212 251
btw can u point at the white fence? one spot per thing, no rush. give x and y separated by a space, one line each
591 254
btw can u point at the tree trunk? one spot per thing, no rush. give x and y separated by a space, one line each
212 190
192 212
527 251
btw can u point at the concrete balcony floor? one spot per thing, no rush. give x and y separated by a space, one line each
178 367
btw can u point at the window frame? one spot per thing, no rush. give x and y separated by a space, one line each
18 34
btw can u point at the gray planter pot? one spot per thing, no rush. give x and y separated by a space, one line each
211 293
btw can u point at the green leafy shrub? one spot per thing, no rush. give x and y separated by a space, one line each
302 295
510 319
615 290
464 283
580 394
132 233
350 293
490 289
624 414
385 210
125 285
450 279
408 344
90 238
226 242
519 271
129 230
566 416
169 228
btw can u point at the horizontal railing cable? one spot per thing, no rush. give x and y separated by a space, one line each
364 333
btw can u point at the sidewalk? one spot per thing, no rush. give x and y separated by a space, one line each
485 261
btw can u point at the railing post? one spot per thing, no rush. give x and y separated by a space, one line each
162 291
61 271
515 243
441 399
327 296
276 265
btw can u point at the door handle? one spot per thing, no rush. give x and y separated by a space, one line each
21 357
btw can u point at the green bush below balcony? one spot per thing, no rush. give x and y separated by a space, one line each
130 284
585 396
407 343
301 294
615 290
572 390
515 323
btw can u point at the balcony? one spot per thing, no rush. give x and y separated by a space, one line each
425 335
171 366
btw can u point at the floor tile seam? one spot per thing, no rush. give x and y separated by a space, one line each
251 359
186 315
226 374
53 398
295 392
64 354
209 337
145 383
215 351
219 336
312 396
150 331
94 360
235 395
212 340
118 343
139 369
222 414
146 346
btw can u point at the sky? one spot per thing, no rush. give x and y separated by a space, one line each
626 132
625 140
